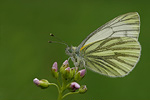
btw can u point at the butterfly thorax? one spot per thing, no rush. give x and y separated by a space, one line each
75 56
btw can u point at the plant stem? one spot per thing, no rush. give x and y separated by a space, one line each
69 94
60 96
55 85
62 88
61 91
58 83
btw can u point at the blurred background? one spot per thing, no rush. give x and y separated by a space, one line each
25 53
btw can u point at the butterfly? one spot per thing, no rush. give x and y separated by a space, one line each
112 49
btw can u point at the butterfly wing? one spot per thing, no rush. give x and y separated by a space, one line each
114 57
127 25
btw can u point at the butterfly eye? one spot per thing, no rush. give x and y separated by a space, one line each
69 50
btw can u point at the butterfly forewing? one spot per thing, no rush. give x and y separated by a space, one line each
127 25
115 56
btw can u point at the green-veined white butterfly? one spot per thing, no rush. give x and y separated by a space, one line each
112 49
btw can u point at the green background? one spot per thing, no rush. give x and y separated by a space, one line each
25 53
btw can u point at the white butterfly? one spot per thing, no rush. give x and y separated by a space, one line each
113 49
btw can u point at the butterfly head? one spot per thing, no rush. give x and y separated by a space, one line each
71 51
74 54
68 50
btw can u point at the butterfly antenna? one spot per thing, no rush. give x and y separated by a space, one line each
57 42
61 41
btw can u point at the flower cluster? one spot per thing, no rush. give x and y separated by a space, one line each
69 80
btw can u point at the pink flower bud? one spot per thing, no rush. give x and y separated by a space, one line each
41 83
82 72
74 86
67 69
55 67
64 66
36 81
76 68
83 89
65 62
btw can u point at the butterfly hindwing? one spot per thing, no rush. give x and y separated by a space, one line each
115 56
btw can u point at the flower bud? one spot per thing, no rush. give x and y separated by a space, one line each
72 72
64 66
54 70
65 63
55 67
36 81
67 69
66 73
79 75
74 86
83 89
75 68
82 72
41 83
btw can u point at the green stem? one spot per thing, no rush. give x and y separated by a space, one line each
60 90
69 94
55 85
58 83
60 96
